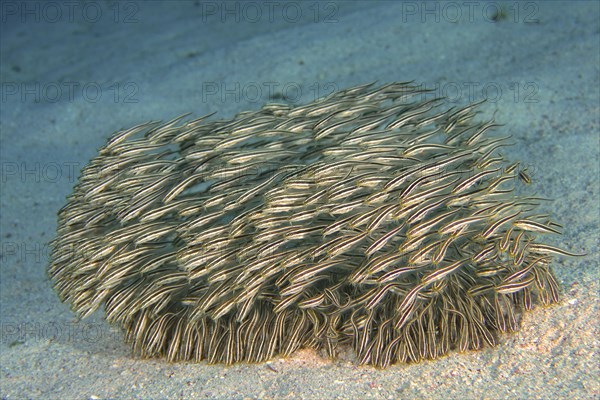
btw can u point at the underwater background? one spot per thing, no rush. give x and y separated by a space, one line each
72 73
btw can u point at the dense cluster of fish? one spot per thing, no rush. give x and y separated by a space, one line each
375 217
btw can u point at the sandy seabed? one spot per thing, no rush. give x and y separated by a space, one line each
73 73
